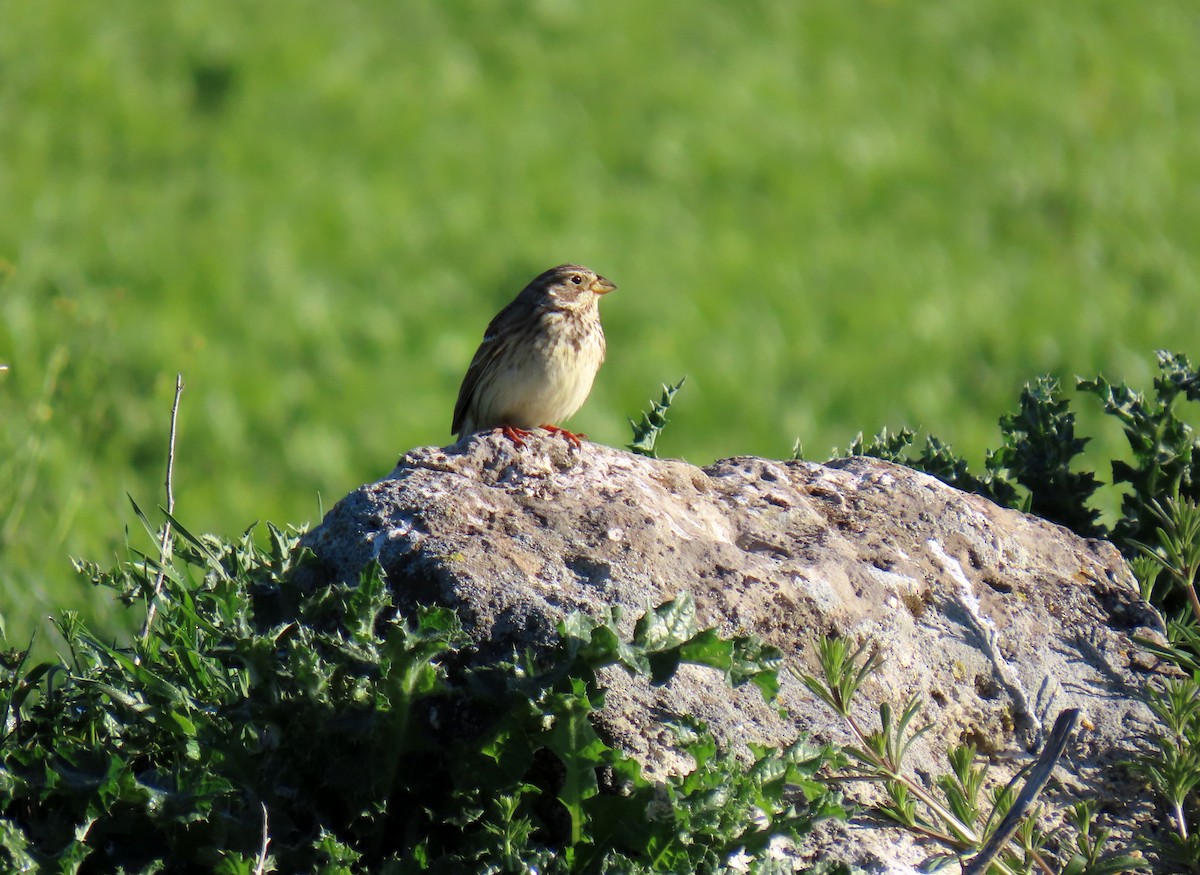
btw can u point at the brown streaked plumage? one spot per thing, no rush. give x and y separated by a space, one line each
538 357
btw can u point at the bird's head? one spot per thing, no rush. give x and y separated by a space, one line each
572 284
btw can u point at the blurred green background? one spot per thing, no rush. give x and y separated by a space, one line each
831 216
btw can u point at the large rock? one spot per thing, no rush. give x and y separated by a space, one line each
997 620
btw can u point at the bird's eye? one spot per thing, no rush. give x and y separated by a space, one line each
576 278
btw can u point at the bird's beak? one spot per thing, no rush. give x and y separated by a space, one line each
602 286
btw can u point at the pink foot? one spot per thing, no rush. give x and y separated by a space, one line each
514 434
569 435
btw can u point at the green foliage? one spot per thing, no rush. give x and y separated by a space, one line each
1173 768
654 420
1038 451
1034 468
1171 562
842 673
1167 570
1089 857
960 815
1166 450
263 722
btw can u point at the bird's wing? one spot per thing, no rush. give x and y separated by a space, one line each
489 349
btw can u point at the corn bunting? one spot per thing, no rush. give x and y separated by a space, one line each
538 358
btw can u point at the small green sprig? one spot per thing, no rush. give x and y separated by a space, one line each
1175 553
654 420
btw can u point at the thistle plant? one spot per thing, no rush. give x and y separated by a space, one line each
654 420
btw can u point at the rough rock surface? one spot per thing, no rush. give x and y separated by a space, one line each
996 619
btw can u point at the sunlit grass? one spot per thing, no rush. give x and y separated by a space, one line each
830 217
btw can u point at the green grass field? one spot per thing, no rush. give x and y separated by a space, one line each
830 216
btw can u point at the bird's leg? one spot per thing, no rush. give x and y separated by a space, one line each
514 434
569 435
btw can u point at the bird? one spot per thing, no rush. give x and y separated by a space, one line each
538 358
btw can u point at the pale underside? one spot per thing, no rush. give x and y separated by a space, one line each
542 383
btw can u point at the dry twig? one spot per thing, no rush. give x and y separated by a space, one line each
164 544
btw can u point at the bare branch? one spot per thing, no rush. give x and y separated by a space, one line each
1039 774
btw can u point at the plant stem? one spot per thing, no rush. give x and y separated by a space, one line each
164 544
965 833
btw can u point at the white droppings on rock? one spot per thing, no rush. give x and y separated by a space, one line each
900 583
